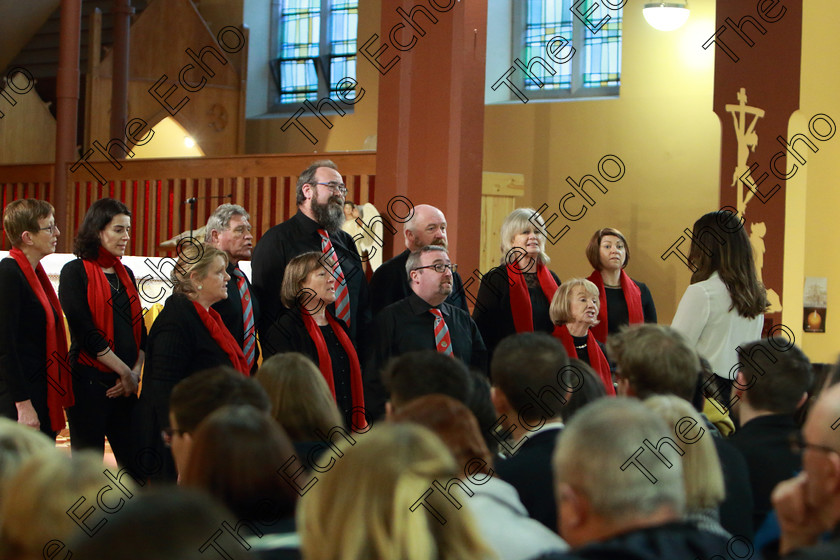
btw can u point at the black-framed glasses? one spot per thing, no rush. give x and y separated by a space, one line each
167 433
798 445
52 228
340 188
440 267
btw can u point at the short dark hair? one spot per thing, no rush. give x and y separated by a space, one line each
308 175
86 245
589 388
194 398
23 215
423 372
781 372
529 363
480 404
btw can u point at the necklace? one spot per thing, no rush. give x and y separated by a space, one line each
115 288
581 347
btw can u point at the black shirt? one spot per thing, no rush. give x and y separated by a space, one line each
617 313
341 373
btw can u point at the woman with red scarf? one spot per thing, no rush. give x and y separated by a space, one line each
311 328
574 311
34 387
623 300
187 337
515 296
107 331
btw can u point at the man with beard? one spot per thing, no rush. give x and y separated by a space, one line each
421 321
390 284
229 230
315 227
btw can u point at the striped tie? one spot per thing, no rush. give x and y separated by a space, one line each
250 346
342 296
442 340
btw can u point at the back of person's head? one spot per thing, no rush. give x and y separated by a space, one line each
480 403
584 387
424 372
598 460
46 498
235 456
654 360
775 375
301 401
195 397
17 444
702 472
165 524
527 367
371 503
454 424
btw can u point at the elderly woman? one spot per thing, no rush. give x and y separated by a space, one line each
311 329
188 336
107 331
574 311
515 296
33 344
623 300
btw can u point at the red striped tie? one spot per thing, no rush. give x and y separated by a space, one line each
342 296
442 340
249 340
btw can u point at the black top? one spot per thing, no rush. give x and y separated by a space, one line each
389 284
617 314
297 235
765 444
230 310
72 291
493 313
736 511
23 344
408 325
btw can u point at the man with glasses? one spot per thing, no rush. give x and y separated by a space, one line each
315 227
229 230
423 320
808 505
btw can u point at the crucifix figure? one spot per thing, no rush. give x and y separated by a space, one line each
747 141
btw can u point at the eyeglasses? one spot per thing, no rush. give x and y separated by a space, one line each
798 445
440 267
52 228
167 433
340 188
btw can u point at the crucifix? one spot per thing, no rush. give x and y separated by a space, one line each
747 141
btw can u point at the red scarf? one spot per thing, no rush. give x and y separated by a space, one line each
220 333
597 360
632 295
520 298
59 384
99 294
325 364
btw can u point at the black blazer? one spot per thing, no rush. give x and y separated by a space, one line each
389 284
230 310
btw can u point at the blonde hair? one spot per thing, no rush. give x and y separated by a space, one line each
17 444
366 507
560 309
516 222
193 259
702 474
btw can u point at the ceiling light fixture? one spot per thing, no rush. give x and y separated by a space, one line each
666 16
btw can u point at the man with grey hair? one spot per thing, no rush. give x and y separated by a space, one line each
229 230
614 502
423 320
315 227
389 283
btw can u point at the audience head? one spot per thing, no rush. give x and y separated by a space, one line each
196 262
366 505
585 387
320 194
653 360
600 493
23 223
197 396
424 372
702 473
229 230
17 444
522 237
426 226
597 252
299 277
571 303
301 401
235 456
104 225
480 403
425 281
774 375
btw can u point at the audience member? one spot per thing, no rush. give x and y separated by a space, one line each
590 388
17 444
500 516
424 372
480 403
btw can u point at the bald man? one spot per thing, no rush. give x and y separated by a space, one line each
390 283
808 505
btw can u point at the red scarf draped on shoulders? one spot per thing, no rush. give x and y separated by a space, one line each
220 333
59 383
632 295
597 360
102 307
325 364
520 298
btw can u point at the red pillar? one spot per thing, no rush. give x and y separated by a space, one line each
122 11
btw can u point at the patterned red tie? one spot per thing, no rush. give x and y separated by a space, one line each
250 346
442 341
342 296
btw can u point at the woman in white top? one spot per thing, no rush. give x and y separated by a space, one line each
724 305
